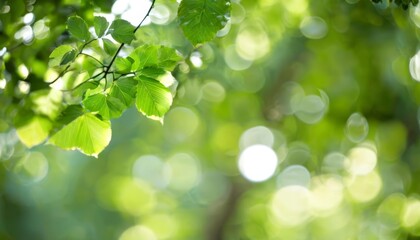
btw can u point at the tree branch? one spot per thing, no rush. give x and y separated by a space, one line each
147 14
80 84
94 58
68 66
220 216
108 68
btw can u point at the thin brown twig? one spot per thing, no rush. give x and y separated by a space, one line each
122 44
68 66
94 58
80 84
108 67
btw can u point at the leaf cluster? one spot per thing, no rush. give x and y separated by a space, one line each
94 83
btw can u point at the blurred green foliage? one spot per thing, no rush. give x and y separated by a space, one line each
403 3
300 121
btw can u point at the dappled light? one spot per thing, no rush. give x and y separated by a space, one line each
231 119
361 160
415 66
294 175
130 10
290 205
357 128
32 167
257 163
364 188
252 42
313 27
256 135
138 232
234 60
182 171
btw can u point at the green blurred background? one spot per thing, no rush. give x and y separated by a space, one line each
300 121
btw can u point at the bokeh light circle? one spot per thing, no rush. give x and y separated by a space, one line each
257 163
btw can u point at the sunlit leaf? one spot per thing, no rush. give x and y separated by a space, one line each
57 55
155 56
153 98
78 28
34 130
152 72
100 24
90 65
122 31
123 64
168 58
47 102
115 105
125 90
201 19
82 88
87 133
107 106
97 103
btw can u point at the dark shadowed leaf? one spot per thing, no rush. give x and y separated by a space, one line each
69 114
58 54
68 57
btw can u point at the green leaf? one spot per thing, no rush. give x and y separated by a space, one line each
104 5
18 9
68 57
97 103
100 24
168 58
201 19
122 31
125 90
47 102
57 55
87 133
109 47
152 72
90 65
107 106
155 56
116 106
82 88
69 114
33 131
153 98
78 28
123 65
